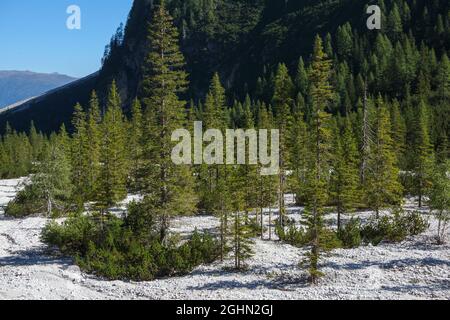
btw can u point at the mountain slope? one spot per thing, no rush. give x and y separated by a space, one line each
243 40
20 85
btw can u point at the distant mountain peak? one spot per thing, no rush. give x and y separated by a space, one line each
18 85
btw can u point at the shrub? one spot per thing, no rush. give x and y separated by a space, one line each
415 223
292 235
329 240
299 237
73 236
350 234
114 250
394 228
25 204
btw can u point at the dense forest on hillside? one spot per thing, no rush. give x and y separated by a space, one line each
363 119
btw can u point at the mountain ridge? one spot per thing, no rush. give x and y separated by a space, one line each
16 85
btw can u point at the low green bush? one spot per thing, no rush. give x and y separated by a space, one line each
299 237
29 202
292 234
394 228
118 249
350 234
26 203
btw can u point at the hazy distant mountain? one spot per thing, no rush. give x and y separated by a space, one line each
16 86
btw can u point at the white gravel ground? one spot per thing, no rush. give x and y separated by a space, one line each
414 269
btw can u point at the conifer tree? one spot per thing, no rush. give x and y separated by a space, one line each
394 22
64 141
249 172
301 80
51 182
214 179
439 198
423 151
135 147
283 102
169 187
383 187
242 233
299 153
345 174
344 40
113 172
443 79
318 164
398 128
93 145
79 156
37 143
267 185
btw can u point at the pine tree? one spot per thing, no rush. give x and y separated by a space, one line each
214 179
93 145
135 147
37 143
283 103
249 172
398 127
443 79
267 185
301 80
383 188
79 156
51 182
395 27
318 164
242 232
345 174
439 197
423 151
169 187
113 172
344 40
298 154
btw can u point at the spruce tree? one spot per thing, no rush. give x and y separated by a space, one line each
345 173
135 147
113 171
318 165
214 179
423 151
79 156
93 145
51 183
301 80
439 198
267 185
283 103
398 127
298 155
169 187
242 233
383 188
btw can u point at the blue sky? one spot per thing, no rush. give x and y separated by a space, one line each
34 36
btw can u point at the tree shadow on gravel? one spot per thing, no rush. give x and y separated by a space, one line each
32 257
396 263
435 286
282 282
